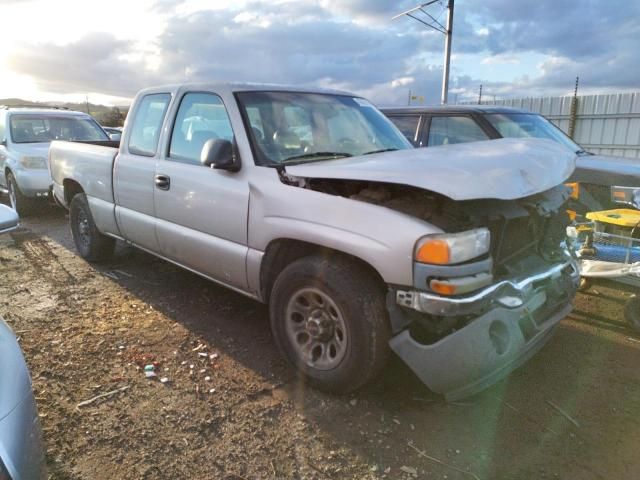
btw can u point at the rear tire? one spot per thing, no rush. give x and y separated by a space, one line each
90 243
22 204
329 319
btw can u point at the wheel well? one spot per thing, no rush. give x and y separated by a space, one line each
282 252
71 189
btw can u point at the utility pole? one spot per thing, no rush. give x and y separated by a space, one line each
86 98
409 99
574 111
480 95
430 21
447 53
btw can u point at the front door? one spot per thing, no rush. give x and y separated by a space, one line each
202 212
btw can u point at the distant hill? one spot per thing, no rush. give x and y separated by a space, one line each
105 115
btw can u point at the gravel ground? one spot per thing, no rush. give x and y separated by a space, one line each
232 409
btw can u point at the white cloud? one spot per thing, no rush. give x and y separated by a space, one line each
351 43
402 82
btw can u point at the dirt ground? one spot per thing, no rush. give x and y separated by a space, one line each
232 409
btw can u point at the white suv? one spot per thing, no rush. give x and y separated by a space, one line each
25 134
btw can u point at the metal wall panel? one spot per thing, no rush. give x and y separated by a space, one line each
607 124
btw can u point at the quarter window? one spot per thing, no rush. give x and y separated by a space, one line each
147 123
201 117
450 130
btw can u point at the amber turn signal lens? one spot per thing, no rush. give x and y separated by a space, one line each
443 288
575 189
434 251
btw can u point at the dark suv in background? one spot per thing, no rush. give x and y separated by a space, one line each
446 125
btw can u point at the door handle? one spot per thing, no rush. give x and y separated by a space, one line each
163 182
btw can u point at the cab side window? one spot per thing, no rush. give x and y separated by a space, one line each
145 131
2 128
201 117
450 130
408 126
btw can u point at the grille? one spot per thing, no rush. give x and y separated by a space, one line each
515 238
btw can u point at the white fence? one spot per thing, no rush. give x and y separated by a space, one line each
606 124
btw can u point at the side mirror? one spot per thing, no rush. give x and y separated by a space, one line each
218 153
115 136
8 219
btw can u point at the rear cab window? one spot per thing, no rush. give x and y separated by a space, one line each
448 130
147 123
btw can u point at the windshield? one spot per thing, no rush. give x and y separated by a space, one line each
288 127
519 125
45 128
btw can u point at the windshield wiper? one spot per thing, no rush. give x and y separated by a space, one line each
317 155
380 151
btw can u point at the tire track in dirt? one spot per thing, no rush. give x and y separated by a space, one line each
43 259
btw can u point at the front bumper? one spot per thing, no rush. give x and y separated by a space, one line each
33 182
514 320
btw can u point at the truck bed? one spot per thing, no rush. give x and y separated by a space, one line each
88 165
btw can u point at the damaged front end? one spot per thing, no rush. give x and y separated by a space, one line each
494 278
468 322
486 294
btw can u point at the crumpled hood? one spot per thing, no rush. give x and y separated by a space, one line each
15 383
504 169
606 170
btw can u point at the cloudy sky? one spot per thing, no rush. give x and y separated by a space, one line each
65 49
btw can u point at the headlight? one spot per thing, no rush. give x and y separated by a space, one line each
447 249
34 162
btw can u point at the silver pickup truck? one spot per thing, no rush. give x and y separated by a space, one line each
313 202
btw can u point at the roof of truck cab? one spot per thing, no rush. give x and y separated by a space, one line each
454 109
232 87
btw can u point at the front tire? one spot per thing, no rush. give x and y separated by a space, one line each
22 204
329 319
90 243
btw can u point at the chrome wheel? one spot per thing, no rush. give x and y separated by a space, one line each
316 329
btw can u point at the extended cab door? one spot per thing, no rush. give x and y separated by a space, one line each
202 212
134 171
